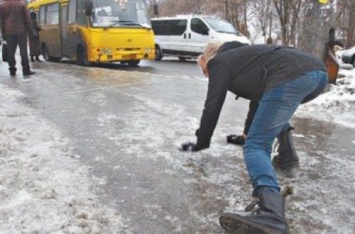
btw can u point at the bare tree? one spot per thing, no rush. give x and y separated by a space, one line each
237 15
345 21
288 13
261 16
174 7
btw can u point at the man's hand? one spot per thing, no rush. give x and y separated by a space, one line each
189 147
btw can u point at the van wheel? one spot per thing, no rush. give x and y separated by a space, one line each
133 63
158 53
183 59
82 57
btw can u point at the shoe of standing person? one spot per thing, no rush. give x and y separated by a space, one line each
28 73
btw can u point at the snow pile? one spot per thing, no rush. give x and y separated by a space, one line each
43 187
336 105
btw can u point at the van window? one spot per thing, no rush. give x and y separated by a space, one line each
177 27
221 26
169 27
160 27
198 26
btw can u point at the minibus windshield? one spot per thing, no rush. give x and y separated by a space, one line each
221 26
120 13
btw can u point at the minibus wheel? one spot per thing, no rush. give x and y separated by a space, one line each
183 59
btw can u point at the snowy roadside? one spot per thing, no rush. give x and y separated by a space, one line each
45 189
43 186
335 105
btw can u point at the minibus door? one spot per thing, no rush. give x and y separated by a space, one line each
64 29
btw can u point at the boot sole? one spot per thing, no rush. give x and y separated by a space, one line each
288 165
237 224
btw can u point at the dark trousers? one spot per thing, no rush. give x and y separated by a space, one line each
12 42
35 47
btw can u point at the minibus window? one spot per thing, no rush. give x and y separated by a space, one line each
42 15
80 13
128 13
52 14
72 10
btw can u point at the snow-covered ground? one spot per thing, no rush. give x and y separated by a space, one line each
337 104
45 189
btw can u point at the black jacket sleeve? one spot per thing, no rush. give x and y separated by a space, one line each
216 94
253 107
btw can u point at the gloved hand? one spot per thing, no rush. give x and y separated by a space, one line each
234 139
189 147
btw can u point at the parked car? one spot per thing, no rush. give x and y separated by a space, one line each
348 56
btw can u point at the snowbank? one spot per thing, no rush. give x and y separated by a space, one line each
335 105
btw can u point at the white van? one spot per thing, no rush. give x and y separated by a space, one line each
186 36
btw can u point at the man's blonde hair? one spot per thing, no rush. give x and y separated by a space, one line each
211 49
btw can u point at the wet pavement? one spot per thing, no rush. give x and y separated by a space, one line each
127 124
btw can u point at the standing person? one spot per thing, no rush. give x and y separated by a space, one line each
281 78
15 25
35 46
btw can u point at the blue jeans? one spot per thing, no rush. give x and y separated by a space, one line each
276 108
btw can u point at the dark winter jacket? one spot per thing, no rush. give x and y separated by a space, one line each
36 28
249 71
14 18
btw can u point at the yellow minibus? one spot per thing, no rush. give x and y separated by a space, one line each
95 31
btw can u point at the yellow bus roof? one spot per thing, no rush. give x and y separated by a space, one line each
38 3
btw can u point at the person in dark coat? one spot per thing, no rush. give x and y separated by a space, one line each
15 24
35 45
281 78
